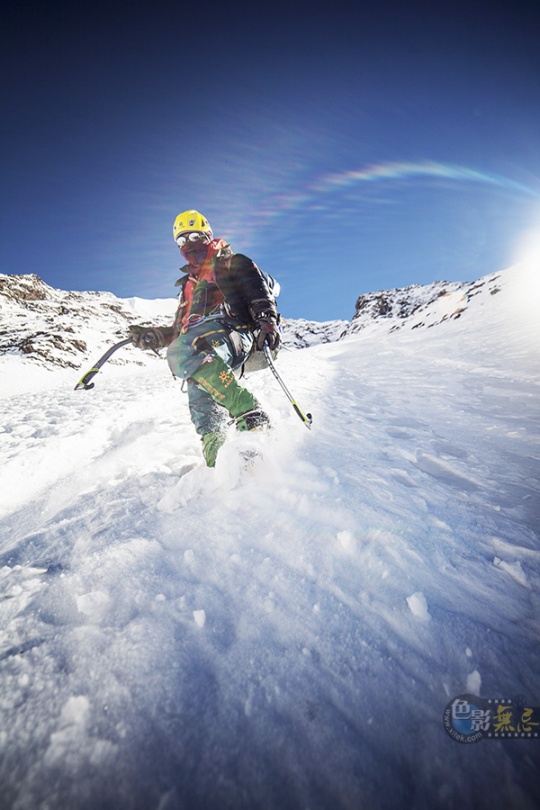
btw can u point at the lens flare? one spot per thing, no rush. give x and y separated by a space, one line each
317 195
404 170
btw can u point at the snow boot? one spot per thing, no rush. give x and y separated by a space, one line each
251 420
211 444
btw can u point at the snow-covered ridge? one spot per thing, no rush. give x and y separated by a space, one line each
57 328
419 306
299 333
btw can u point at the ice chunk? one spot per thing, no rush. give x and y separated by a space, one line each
474 682
200 617
346 540
418 605
513 569
93 604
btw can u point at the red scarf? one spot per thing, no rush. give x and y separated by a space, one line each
201 293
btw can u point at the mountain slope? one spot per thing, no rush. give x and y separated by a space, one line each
49 329
287 636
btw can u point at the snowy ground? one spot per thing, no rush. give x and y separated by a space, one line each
286 636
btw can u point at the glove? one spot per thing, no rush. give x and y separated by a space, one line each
267 331
147 337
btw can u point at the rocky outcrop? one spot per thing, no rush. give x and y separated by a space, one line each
56 328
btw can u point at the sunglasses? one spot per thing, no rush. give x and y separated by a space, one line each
193 237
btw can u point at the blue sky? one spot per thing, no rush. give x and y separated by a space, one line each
346 148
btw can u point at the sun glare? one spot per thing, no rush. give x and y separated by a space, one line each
528 246
526 272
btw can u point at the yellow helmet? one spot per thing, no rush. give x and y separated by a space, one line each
191 221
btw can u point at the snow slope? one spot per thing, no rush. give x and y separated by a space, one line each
285 636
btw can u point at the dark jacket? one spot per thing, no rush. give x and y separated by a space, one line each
231 284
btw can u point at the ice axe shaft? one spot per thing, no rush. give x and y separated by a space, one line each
306 418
